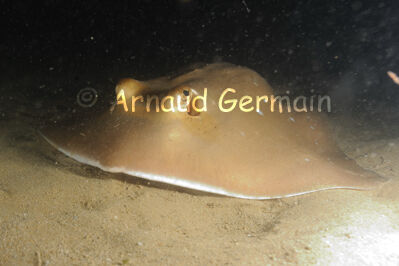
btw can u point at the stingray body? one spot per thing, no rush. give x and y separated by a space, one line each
254 155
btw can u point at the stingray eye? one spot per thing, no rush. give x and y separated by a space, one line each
189 94
185 99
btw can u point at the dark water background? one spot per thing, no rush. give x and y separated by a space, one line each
52 49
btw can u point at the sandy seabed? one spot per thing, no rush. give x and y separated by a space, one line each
55 211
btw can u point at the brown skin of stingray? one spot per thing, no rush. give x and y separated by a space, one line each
245 153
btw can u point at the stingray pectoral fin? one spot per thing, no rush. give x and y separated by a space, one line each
289 179
227 170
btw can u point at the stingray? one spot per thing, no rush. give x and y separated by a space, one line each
255 154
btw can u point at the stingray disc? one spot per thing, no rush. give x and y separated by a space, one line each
255 154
